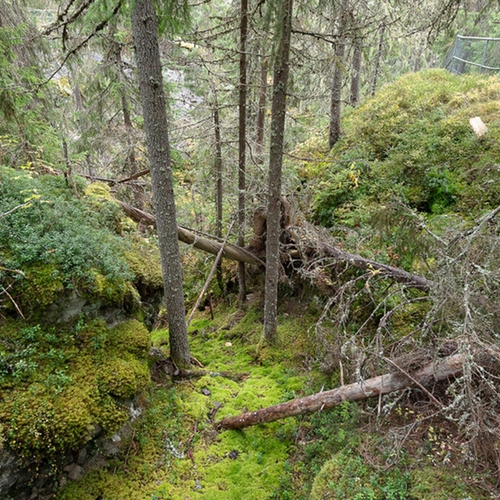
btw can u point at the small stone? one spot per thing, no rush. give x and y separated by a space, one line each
116 438
74 471
206 392
233 455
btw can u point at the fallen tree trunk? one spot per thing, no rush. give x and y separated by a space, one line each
384 384
307 240
397 274
229 251
312 243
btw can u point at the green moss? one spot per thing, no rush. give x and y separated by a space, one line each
98 190
131 336
176 426
109 414
42 286
442 484
67 383
413 142
123 376
143 259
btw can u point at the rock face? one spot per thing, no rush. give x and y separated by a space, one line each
30 480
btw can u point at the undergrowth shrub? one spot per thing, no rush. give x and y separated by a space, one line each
51 242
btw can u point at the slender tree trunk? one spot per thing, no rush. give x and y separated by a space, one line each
378 57
145 34
261 111
242 137
81 123
356 72
278 112
218 188
338 77
129 129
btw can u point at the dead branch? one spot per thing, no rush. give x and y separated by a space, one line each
186 374
439 370
210 275
312 245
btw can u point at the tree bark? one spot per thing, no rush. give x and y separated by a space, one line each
378 57
338 77
356 72
384 384
145 35
242 137
218 188
261 111
278 112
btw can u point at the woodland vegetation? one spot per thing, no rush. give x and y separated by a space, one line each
218 215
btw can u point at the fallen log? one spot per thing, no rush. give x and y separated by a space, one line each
441 369
307 241
229 251
312 243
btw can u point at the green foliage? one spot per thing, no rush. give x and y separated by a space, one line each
26 135
413 143
59 242
59 385
347 476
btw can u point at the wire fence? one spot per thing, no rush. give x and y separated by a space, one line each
473 54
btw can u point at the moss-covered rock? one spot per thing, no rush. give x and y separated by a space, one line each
43 284
123 376
61 385
412 142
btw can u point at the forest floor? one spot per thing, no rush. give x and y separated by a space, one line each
352 452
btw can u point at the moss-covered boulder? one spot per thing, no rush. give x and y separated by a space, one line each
60 386
412 143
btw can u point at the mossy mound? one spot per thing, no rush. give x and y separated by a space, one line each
413 143
61 252
60 386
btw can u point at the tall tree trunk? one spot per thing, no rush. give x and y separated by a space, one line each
218 187
278 112
261 111
242 145
145 34
129 129
356 72
338 77
378 57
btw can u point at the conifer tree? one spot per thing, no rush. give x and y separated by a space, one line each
278 112
145 33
